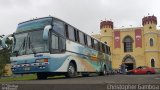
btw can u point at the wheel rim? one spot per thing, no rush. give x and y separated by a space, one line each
71 70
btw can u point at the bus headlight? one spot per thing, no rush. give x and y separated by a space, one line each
42 60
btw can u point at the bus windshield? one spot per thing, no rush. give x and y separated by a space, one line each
29 37
30 42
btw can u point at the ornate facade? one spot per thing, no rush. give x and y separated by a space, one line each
137 46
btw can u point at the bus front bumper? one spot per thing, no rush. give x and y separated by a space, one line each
30 68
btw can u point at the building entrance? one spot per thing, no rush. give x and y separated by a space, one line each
129 61
129 66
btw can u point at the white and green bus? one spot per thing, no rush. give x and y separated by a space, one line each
49 46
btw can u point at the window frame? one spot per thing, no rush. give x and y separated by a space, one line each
151 42
128 45
152 62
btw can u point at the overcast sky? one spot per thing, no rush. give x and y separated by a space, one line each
86 15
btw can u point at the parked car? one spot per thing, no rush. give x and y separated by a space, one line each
142 70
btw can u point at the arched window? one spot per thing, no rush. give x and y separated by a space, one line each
128 47
151 42
152 63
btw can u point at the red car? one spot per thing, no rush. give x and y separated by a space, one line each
142 70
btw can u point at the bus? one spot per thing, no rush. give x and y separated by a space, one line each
49 46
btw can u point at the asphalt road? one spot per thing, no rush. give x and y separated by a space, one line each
117 79
110 82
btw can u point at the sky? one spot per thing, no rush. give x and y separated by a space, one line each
85 15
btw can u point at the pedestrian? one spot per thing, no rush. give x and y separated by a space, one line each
123 68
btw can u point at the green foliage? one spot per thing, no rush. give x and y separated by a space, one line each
5 55
25 78
19 78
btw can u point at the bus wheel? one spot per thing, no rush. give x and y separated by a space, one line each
41 76
103 71
71 72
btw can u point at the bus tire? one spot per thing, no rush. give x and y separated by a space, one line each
71 71
41 76
103 72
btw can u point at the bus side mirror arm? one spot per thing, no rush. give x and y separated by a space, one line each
45 32
4 45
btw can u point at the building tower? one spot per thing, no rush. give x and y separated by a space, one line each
150 41
106 31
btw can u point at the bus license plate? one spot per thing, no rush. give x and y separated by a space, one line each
27 68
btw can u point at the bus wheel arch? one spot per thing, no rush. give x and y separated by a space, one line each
103 70
73 61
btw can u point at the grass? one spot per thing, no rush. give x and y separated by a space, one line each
25 78
19 78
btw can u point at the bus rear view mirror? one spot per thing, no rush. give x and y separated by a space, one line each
45 32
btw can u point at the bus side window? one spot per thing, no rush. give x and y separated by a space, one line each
92 43
106 49
103 48
85 39
66 28
76 34
99 48
96 44
62 44
109 51
59 27
71 33
81 37
54 43
89 41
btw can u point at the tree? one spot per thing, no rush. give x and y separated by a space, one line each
0 42
5 55
1 36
